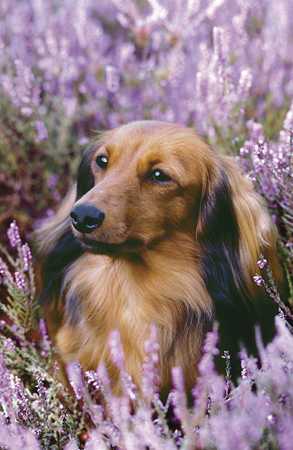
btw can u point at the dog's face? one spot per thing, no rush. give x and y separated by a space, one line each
145 179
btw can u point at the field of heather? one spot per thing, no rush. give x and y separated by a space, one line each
70 68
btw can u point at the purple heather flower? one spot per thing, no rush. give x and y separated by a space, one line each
42 391
36 99
2 271
218 35
249 367
75 376
178 396
20 281
95 440
118 358
262 263
112 79
69 105
24 73
26 111
15 437
210 343
13 235
178 378
288 122
177 435
52 180
258 280
45 339
9 345
71 445
92 379
103 376
42 131
244 84
150 377
8 85
116 349
83 141
285 432
27 257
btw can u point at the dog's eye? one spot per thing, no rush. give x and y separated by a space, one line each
159 176
102 162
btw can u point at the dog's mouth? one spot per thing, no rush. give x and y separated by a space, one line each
112 249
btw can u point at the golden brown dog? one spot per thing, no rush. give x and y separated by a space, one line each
158 227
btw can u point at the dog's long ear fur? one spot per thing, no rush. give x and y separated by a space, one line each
57 247
233 229
85 178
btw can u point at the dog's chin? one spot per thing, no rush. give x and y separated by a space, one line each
112 249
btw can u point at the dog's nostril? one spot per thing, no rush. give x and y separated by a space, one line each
73 217
86 218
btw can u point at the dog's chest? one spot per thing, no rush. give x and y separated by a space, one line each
100 289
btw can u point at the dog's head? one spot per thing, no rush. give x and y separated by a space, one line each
146 181
137 185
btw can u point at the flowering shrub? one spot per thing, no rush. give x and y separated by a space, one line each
30 394
36 411
69 67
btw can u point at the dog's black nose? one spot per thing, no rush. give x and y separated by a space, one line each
86 218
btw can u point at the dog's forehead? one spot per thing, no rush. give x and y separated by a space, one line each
157 142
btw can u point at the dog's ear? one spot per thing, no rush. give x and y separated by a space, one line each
219 237
233 228
85 178
65 252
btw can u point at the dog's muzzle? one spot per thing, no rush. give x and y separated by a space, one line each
86 218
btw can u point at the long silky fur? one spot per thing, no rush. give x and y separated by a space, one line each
199 269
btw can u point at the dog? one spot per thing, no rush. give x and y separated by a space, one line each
158 227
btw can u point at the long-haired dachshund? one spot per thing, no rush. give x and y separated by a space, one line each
158 227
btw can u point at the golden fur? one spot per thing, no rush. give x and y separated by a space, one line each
158 250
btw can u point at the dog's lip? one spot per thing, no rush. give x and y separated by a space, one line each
129 245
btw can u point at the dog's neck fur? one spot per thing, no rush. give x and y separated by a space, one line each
102 292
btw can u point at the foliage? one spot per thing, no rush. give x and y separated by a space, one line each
71 67
37 411
31 396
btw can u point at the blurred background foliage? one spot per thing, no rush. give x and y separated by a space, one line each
69 68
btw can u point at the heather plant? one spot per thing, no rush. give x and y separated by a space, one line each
270 166
68 68
32 413
37 411
71 67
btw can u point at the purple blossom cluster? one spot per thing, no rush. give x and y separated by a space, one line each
270 166
221 66
22 279
257 413
109 63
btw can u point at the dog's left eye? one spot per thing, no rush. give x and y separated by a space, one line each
159 176
102 161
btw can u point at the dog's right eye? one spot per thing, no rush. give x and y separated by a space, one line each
102 161
158 176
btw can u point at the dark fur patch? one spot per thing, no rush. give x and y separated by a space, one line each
65 252
236 311
73 310
219 239
67 249
85 178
